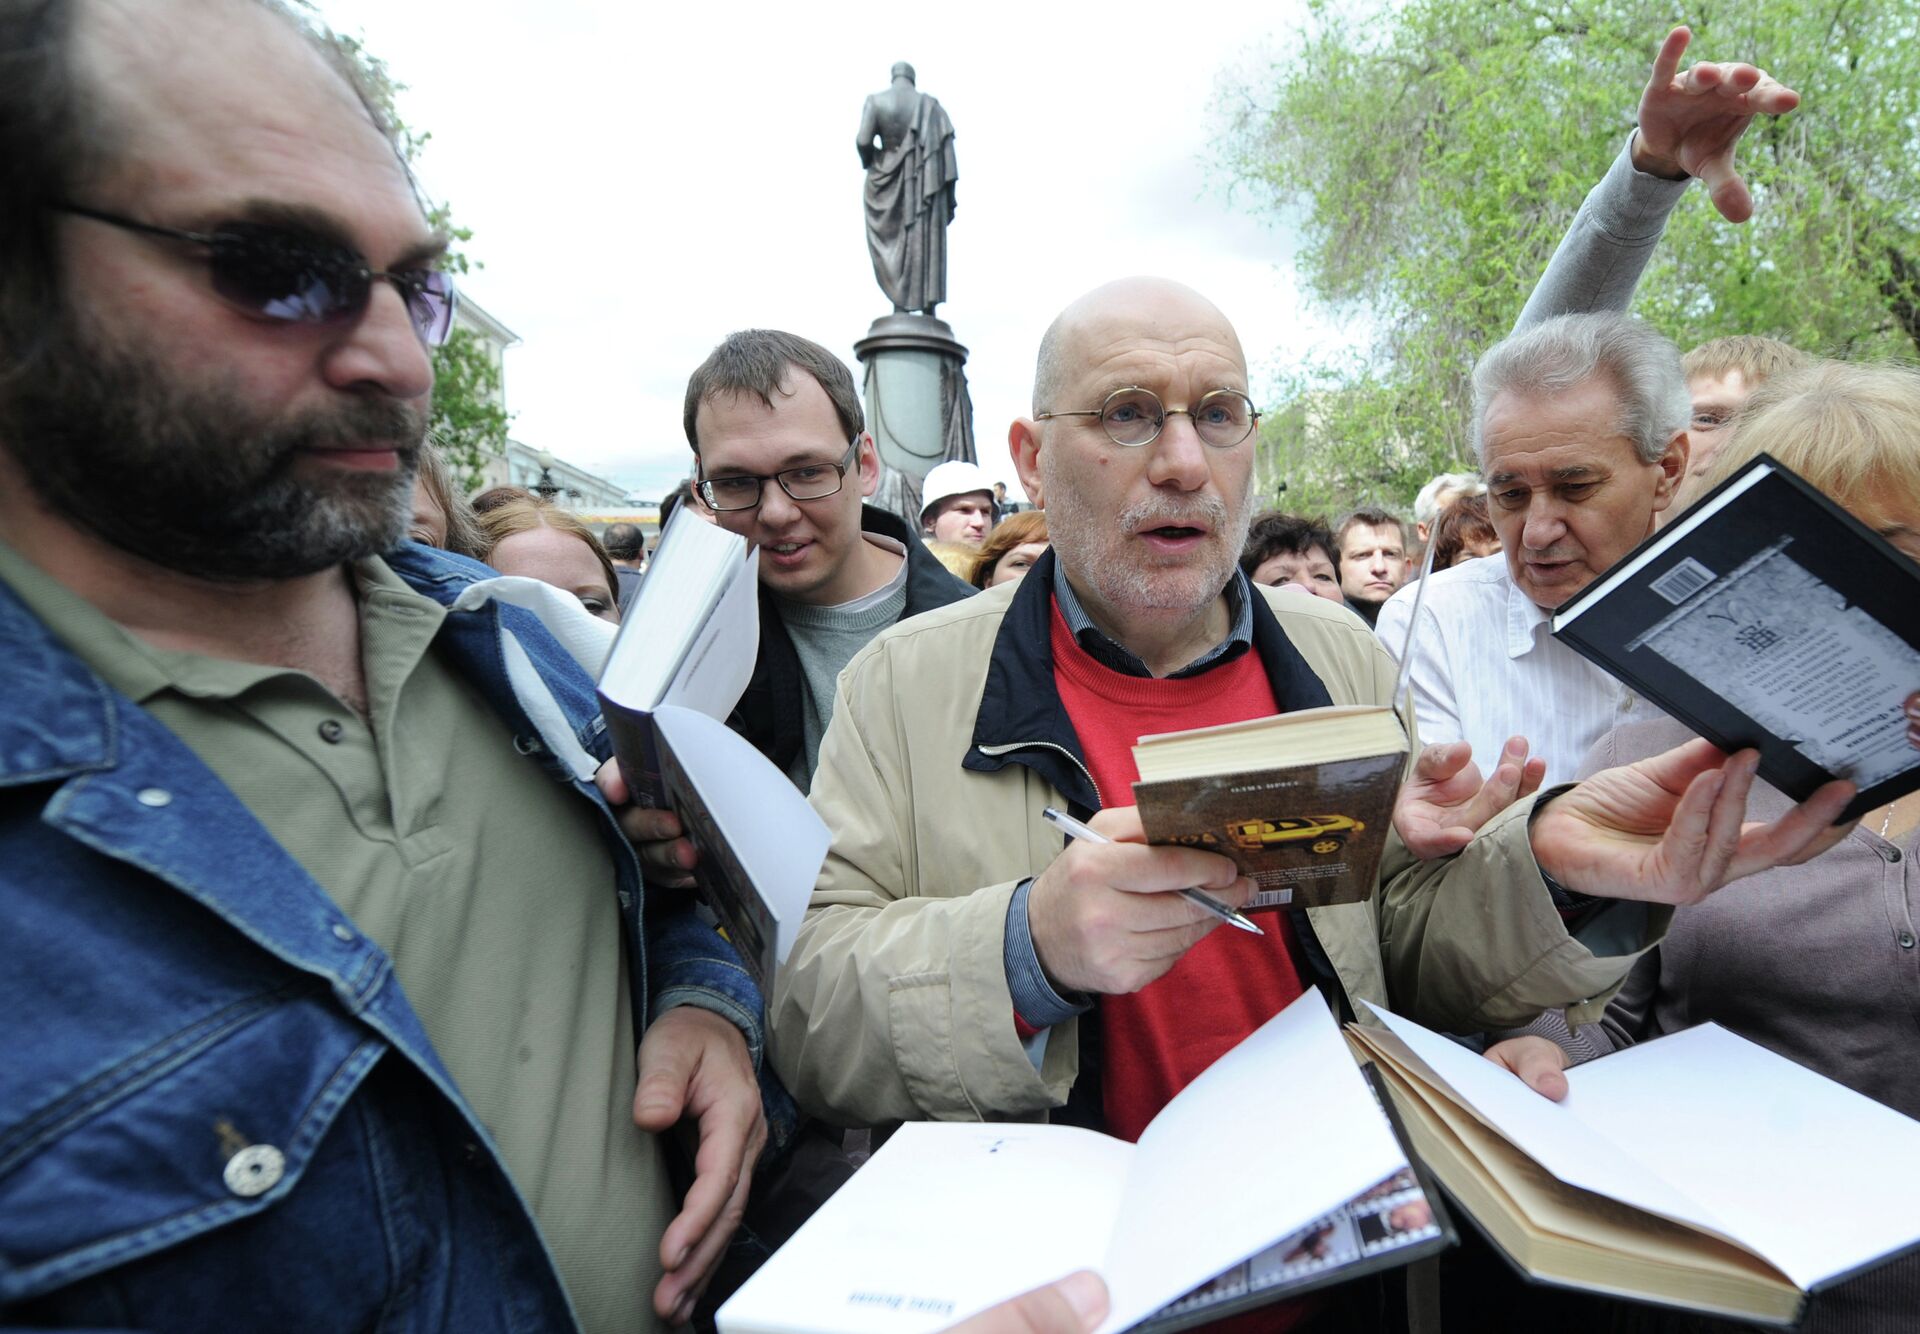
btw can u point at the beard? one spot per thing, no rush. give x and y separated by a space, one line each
1098 551
191 477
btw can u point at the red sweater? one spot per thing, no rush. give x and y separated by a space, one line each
1158 1040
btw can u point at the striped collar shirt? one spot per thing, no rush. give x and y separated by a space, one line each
1486 667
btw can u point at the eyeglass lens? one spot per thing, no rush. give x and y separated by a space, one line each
289 277
1135 416
812 481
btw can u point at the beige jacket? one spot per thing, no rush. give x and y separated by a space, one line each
894 1004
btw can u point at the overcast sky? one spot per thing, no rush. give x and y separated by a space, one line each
643 178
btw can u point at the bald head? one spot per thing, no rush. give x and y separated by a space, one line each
1154 309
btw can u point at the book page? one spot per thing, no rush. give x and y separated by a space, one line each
1710 1129
1207 1192
1550 1133
1808 1173
761 845
945 1220
1786 649
719 662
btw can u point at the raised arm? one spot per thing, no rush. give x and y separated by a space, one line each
1689 125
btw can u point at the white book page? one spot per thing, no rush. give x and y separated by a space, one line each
719 663
1571 1146
1277 1132
696 563
945 1220
775 836
1813 1176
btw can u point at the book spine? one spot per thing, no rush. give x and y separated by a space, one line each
637 746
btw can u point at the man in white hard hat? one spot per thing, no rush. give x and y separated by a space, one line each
956 504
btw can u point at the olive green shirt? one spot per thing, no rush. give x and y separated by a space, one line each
484 879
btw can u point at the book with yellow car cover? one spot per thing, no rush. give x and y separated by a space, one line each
1302 801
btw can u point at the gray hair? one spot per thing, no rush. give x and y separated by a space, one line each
1426 505
1572 349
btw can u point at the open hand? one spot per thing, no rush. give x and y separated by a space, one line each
1108 918
666 855
694 1066
1442 806
1671 829
1690 122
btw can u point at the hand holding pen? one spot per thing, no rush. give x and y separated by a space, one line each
1072 828
1107 917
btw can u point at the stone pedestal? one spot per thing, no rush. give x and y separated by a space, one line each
917 404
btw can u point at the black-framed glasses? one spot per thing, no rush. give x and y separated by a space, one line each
286 274
809 481
1133 416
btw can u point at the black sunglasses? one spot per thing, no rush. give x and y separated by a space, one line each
285 274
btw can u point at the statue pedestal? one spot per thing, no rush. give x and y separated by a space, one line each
918 408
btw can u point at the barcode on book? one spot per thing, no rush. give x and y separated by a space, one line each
1683 581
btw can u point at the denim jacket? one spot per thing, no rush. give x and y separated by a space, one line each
217 1111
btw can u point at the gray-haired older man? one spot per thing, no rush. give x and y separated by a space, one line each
1581 425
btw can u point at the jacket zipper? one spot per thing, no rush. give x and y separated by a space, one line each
1075 760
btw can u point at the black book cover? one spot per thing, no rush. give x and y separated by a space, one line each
1396 1222
1767 616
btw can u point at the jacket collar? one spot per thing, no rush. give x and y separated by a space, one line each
1022 721
929 583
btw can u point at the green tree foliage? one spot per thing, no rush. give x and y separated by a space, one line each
1433 153
469 421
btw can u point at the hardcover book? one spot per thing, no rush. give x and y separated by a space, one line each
1301 802
1767 616
760 843
689 639
1698 1170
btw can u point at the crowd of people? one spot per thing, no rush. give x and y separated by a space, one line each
347 988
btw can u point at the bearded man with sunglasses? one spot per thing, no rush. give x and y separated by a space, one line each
326 961
957 963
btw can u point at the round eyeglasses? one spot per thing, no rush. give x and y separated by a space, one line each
1133 416
809 481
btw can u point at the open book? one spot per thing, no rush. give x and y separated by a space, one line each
689 639
1768 616
1697 1170
1300 801
760 843
949 1218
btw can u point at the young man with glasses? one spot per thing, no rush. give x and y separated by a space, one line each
333 996
783 458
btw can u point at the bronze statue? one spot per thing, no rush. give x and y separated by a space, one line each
909 192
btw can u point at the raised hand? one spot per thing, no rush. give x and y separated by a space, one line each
1690 122
1442 806
1671 829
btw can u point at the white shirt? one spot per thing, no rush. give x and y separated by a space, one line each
1487 668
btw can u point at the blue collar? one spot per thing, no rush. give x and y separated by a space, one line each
1109 653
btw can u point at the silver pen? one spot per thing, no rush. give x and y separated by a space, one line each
1066 824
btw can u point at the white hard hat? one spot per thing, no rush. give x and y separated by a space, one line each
952 478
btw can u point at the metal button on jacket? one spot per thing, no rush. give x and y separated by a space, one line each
255 1170
153 796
